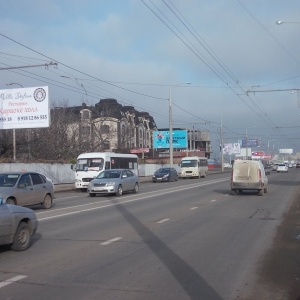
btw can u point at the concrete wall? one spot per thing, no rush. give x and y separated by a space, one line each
62 173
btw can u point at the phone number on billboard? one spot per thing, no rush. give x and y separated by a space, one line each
30 118
5 119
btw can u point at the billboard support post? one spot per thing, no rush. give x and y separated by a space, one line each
170 128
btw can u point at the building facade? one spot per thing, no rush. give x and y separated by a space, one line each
109 126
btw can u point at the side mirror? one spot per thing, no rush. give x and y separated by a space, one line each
22 185
1 201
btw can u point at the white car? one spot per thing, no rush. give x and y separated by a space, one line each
282 168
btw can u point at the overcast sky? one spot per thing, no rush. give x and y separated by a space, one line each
243 68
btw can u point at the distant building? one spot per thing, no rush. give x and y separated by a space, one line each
109 126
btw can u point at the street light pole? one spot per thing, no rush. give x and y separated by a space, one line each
170 128
171 122
14 130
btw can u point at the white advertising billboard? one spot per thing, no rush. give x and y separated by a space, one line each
230 149
24 108
286 151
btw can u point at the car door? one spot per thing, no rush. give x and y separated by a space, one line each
125 181
131 180
39 187
24 191
6 224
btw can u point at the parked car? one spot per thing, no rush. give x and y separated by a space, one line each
165 174
114 181
249 175
282 168
297 165
26 188
17 226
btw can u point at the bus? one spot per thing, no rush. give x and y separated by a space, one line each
89 165
193 167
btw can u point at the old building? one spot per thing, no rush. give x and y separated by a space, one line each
109 126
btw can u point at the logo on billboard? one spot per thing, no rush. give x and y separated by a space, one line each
39 94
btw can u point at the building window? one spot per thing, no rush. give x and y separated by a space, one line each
85 130
123 130
85 114
105 145
104 128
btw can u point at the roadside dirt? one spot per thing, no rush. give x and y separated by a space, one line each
279 274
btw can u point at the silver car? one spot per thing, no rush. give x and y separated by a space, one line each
17 226
26 188
114 181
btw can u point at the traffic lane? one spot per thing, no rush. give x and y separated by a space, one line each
59 239
78 197
84 203
183 231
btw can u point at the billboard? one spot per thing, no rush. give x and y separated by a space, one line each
230 149
249 143
161 139
286 151
24 108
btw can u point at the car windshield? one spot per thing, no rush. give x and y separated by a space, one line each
189 163
163 170
109 174
8 180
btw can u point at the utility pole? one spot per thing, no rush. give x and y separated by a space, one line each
221 138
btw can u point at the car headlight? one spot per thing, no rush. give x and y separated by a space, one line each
77 180
110 183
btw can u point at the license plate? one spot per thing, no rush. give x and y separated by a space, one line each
98 188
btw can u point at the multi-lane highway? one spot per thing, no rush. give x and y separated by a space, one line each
189 239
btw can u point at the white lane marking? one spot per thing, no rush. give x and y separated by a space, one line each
12 280
213 200
162 221
111 241
147 195
192 208
71 207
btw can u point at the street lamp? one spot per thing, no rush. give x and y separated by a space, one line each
281 22
171 122
14 130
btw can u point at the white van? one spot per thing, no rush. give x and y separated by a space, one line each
249 175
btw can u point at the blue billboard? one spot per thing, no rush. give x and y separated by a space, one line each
161 139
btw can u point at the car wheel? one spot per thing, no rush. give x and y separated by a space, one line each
266 189
260 192
22 238
176 178
47 202
120 190
11 201
136 188
92 195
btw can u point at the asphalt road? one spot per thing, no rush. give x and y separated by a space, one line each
189 239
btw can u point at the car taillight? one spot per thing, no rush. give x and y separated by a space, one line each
259 176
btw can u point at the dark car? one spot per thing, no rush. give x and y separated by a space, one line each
165 174
17 226
297 165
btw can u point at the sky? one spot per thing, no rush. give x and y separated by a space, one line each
243 68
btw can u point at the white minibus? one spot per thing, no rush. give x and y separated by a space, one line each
89 165
193 167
